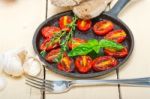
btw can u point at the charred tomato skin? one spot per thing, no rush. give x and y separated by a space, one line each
50 57
117 54
104 63
75 42
103 27
83 64
116 35
84 25
66 64
64 21
43 45
48 31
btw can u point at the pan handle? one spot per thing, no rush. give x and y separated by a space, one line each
118 7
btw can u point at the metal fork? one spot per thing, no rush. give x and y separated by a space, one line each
63 86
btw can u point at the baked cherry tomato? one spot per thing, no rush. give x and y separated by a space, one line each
116 35
50 57
84 25
75 42
103 27
118 54
48 31
45 45
64 21
66 64
83 64
104 63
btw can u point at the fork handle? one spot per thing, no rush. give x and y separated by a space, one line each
129 82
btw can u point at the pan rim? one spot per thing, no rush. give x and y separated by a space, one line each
83 76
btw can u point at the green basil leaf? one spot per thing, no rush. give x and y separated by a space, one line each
80 50
110 44
94 55
94 45
93 42
96 49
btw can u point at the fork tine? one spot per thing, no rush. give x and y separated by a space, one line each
35 86
35 83
39 80
32 77
38 83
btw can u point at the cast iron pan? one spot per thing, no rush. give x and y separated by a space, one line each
110 15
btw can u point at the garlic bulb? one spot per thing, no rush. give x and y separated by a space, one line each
13 66
22 53
2 83
11 62
32 66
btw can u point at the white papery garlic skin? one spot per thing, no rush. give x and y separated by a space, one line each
13 66
11 61
2 83
32 67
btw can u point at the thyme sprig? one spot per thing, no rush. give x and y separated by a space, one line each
56 38
68 37
63 42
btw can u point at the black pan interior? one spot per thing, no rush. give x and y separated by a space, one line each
53 21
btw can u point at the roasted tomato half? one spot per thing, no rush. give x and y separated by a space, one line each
75 42
66 64
116 35
46 46
83 64
84 25
50 57
49 31
118 54
103 63
64 21
103 27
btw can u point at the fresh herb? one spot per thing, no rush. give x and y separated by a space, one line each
58 59
110 44
68 37
43 53
94 45
84 49
56 38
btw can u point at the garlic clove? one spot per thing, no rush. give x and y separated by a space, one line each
22 55
13 66
11 61
3 83
21 52
32 67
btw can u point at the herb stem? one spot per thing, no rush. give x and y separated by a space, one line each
68 37
56 38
